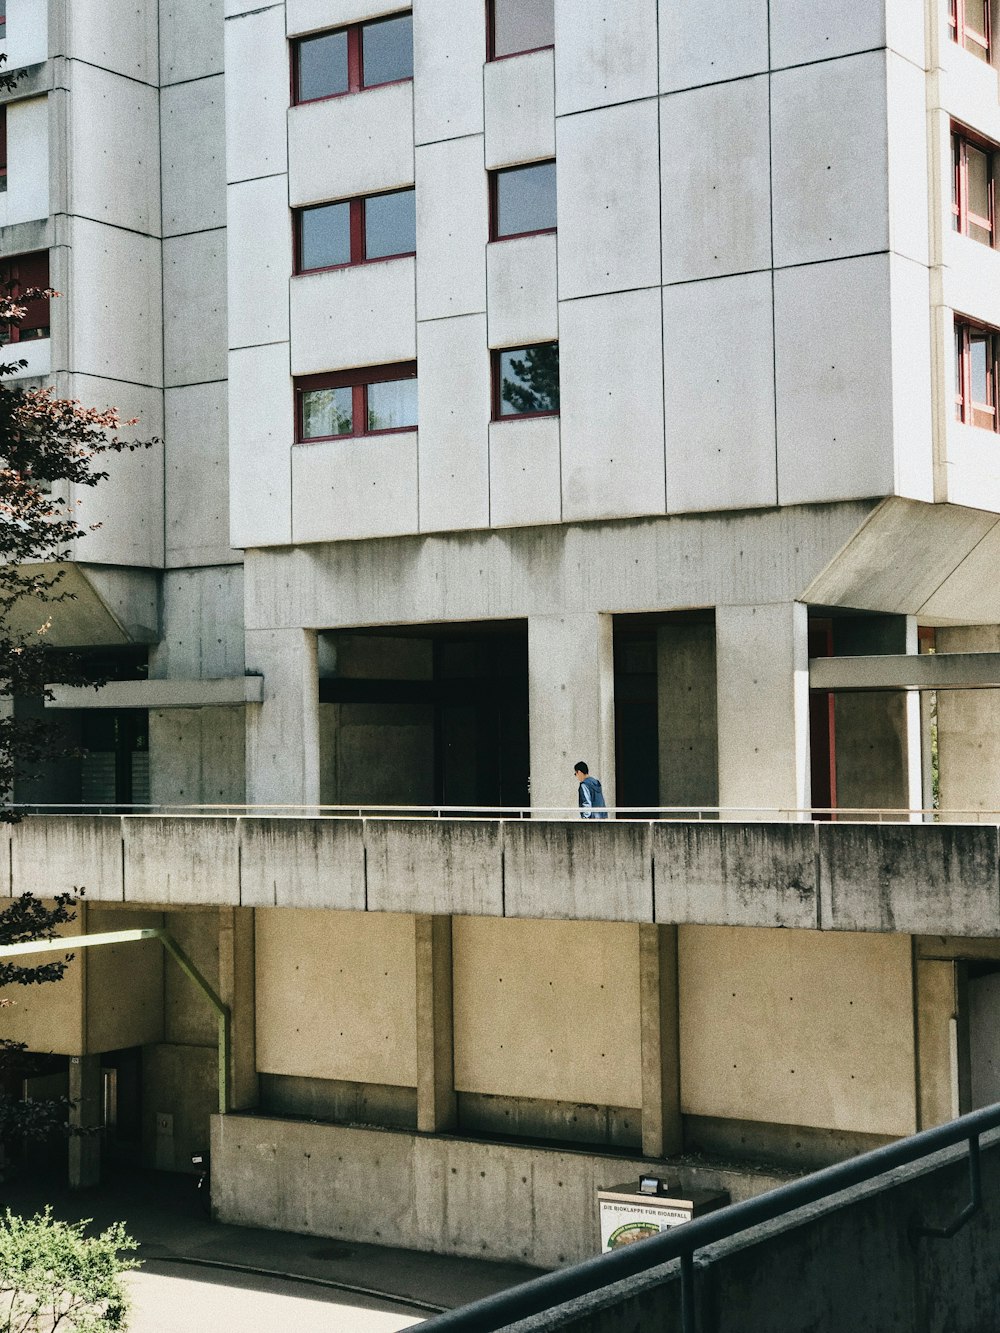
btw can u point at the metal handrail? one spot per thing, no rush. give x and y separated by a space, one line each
553 1289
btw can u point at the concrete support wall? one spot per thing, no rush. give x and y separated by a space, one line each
85 1093
968 723
687 713
283 751
436 1103
660 1041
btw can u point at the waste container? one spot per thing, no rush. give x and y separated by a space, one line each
643 1208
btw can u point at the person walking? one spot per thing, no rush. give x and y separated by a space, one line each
589 793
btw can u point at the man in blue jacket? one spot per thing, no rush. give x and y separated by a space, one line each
591 797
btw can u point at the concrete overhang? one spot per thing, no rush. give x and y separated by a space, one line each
938 562
906 671
105 606
218 693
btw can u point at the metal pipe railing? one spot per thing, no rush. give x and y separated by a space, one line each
682 1242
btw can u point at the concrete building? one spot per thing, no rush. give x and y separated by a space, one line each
539 380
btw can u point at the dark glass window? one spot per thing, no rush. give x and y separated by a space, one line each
321 66
390 224
526 381
361 56
357 402
325 236
520 25
387 51
378 226
973 188
327 412
392 405
524 200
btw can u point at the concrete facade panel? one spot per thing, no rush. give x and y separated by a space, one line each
451 242
27 40
349 489
106 260
315 15
302 863
195 333
115 177
193 132
826 31
582 870
454 397
611 383
519 101
718 370
192 40
27 195
108 37
521 303
609 220
53 854
449 47
172 863
715 180
359 316
410 862
909 183
833 380
197 756
50 1018
524 472
829 153
259 249
197 475
689 55
606 52
912 380
124 1004
377 123
256 61
199 641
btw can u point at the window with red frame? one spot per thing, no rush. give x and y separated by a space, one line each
970 24
976 350
522 200
973 191
18 276
3 19
516 26
355 231
526 381
346 60
372 401
3 149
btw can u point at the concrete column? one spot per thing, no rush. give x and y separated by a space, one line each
571 704
659 1041
436 1101
688 725
236 988
762 692
85 1093
283 731
968 730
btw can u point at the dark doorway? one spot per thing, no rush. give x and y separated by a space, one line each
637 734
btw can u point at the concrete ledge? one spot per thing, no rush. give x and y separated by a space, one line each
182 861
302 863
590 870
438 866
51 854
159 694
901 671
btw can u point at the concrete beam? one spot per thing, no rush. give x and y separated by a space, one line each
437 1105
160 693
906 671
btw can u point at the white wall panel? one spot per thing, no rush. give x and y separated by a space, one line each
833 381
824 29
907 147
27 195
524 472
378 127
193 130
971 278
449 47
521 291
454 382
106 263
38 354
256 94
197 475
700 44
715 180
259 244
718 358
606 52
27 40
261 429
973 467
611 382
194 308
354 488
114 174
608 205
452 228
191 39
911 379
519 98
361 316
829 156
314 15
114 36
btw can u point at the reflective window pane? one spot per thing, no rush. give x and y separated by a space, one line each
529 379
979 357
387 50
322 66
327 412
390 224
325 236
526 199
522 25
392 404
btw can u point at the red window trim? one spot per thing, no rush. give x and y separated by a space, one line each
491 39
961 141
357 228
3 148
495 204
495 377
355 60
357 380
965 407
961 29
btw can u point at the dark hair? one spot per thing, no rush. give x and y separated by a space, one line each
580 767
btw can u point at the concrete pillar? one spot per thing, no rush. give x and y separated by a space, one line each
968 730
236 988
936 1012
283 731
85 1091
659 1041
762 693
436 1101
571 705
686 709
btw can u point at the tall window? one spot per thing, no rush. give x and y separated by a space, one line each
355 231
519 25
969 21
526 381
371 401
18 276
3 149
522 200
972 197
365 55
976 350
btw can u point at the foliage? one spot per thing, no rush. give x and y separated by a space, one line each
53 1276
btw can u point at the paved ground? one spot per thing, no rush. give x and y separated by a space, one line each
202 1277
